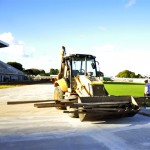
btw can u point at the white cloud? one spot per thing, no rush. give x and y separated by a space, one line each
42 62
105 55
7 37
16 48
130 3
28 56
113 59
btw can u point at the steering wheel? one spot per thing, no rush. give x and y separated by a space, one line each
82 71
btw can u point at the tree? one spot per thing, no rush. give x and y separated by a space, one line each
132 75
54 71
34 71
124 74
139 76
16 65
42 72
128 74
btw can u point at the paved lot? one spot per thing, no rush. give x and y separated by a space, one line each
23 127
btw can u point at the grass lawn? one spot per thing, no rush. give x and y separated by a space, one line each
121 88
114 88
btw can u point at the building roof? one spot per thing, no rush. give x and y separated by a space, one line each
3 44
8 69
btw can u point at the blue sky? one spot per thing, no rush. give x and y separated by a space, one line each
116 31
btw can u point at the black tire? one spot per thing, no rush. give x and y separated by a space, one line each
72 115
59 94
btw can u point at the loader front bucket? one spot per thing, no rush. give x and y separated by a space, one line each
106 107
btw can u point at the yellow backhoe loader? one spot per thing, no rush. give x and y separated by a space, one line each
79 91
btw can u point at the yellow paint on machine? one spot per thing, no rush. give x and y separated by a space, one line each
96 82
63 85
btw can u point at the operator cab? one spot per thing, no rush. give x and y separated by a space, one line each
83 65
80 65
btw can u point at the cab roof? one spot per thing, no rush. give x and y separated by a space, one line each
3 44
79 56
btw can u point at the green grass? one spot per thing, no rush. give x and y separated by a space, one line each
114 88
122 88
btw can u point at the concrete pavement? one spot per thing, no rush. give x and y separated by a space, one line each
23 127
145 111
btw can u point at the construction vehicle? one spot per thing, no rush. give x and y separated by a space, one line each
79 91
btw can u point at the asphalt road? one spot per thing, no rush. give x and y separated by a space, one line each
23 127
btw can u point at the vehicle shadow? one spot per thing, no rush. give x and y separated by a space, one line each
135 120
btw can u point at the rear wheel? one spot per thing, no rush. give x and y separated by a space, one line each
58 95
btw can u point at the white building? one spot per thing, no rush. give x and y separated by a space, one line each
9 73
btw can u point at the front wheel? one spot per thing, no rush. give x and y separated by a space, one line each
58 95
74 114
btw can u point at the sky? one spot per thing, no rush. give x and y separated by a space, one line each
117 32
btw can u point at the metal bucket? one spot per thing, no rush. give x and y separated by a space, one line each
106 107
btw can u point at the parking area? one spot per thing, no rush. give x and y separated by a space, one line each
24 127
